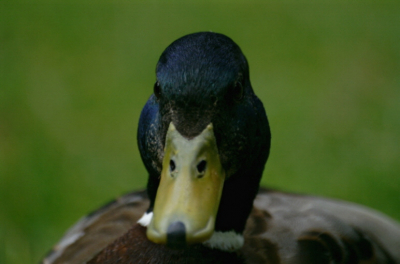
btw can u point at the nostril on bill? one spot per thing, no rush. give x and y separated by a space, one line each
201 167
172 165
176 235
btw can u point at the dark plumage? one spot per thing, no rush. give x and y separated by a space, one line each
203 79
133 247
198 75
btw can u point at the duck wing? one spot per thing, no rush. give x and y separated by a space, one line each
95 231
291 228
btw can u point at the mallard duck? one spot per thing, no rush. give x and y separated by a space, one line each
204 139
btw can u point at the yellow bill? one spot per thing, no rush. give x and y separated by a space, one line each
190 190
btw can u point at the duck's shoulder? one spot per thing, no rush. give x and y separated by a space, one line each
292 228
98 229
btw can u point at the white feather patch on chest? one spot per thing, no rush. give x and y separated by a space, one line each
145 219
226 241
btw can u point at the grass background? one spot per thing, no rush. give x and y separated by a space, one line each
74 77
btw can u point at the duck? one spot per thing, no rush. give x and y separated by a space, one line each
204 138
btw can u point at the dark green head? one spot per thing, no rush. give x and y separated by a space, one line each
200 69
203 79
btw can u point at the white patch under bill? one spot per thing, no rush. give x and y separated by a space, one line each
145 219
225 241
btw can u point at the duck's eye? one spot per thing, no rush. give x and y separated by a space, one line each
157 89
238 91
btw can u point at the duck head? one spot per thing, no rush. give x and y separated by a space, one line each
204 138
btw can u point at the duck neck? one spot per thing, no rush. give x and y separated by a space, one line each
237 202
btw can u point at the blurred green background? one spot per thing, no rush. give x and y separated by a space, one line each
74 77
